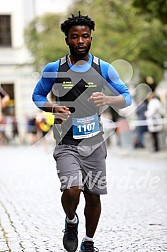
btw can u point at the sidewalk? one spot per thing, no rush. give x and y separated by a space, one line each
134 211
138 153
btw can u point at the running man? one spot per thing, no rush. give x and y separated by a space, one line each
82 84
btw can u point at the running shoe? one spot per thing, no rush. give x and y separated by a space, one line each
70 238
88 246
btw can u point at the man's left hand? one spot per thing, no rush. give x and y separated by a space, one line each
98 98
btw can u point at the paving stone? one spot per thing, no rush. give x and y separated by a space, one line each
133 215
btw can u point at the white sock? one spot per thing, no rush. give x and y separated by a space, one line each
87 238
73 221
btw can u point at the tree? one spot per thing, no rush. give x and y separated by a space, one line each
123 33
153 9
44 39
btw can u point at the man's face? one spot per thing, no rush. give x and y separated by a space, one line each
79 40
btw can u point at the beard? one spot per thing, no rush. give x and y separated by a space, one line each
79 55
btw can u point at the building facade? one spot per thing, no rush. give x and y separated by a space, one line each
17 76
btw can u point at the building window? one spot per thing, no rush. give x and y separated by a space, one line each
5 31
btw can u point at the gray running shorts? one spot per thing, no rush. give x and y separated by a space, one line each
83 166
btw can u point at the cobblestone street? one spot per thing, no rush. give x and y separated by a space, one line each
134 212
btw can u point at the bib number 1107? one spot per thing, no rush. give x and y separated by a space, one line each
86 127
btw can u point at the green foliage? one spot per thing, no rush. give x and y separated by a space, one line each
153 9
120 33
123 33
149 68
45 40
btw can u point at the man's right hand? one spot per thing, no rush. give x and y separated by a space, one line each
61 113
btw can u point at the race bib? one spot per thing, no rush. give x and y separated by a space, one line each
85 127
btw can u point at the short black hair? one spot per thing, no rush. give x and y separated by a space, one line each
77 20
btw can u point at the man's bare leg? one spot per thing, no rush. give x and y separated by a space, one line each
92 212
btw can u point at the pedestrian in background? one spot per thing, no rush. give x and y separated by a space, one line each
78 79
154 114
32 129
4 100
141 129
45 122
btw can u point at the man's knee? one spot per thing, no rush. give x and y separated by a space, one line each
92 200
72 193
